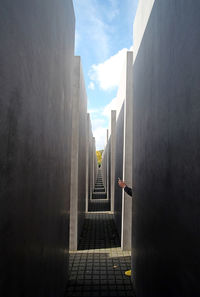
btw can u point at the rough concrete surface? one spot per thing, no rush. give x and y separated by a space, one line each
79 164
112 147
36 61
166 130
126 233
118 170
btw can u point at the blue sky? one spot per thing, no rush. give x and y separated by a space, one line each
104 32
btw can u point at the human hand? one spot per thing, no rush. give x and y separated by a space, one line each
121 183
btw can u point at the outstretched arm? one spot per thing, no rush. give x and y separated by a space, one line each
128 191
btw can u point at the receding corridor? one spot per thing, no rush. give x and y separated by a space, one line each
98 267
100 148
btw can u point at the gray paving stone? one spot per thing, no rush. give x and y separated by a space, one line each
97 268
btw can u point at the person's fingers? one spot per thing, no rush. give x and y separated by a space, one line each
121 184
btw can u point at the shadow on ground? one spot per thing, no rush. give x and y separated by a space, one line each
99 274
99 232
99 205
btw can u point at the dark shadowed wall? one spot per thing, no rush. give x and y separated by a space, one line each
36 54
166 159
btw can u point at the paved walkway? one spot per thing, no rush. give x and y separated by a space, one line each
97 268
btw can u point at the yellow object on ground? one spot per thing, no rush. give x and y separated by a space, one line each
128 272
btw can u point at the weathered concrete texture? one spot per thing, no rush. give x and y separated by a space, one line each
89 185
109 169
112 158
123 155
95 164
79 167
140 22
107 164
82 154
36 58
166 130
126 230
104 165
106 168
118 169
91 162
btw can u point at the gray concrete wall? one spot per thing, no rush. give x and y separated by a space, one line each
36 58
166 130
112 158
73 240
91 162
87 185
107 164
105 167
126 229
123 157
95 164
109 169
82 153
78 155
104 164
119 169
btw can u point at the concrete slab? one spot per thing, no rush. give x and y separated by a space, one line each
112 158
36 58
118 169
123 156
126 229
78 156
140 22
166 171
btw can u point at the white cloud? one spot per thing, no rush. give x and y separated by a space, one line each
100 137
113 105
107 74
116 103
93 111
101 117
99 127
97 122
131 48
91 86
